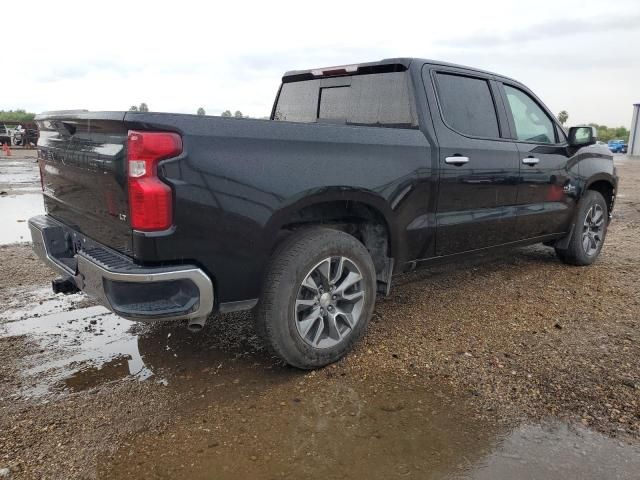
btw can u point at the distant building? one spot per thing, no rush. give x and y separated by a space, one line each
634 138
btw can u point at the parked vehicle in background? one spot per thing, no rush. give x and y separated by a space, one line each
25 134
364 171
5 135
617 146
17 135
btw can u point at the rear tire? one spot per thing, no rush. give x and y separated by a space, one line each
317 299
590 229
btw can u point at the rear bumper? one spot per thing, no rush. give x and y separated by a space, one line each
130 290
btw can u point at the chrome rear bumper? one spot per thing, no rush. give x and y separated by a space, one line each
130 290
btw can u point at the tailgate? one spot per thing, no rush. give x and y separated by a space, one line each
82 158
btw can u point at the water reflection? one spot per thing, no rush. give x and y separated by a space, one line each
15 210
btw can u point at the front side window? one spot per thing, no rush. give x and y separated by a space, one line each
532 123
467 105
377 100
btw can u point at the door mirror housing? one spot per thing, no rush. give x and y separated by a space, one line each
582 136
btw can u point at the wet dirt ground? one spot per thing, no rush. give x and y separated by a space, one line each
506 367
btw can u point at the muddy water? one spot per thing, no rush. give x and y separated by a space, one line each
240 415
76 352
15 210
19 174
20 195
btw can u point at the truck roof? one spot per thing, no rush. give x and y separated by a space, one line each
384 65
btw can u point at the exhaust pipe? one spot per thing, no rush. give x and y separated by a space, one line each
196 325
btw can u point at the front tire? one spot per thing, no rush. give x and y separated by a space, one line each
589 232
317 298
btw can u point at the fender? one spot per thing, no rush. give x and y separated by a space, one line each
333 194
564 241
600 176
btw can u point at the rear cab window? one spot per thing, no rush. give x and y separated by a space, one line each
376 99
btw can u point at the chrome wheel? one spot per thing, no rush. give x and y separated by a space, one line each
593 230
329 302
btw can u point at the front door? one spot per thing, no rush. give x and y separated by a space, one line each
478 167
545 194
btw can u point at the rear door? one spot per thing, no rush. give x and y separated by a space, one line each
478 163
545 196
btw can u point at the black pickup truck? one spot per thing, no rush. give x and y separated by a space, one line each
363 171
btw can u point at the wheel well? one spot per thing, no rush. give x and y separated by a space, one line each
357 219
606 189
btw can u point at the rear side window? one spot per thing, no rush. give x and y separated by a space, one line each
532 123
379 100
298 102
467 105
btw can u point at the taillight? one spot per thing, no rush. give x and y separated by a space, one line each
150 198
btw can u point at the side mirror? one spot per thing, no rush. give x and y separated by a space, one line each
582 136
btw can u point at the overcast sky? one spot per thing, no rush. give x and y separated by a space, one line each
580 56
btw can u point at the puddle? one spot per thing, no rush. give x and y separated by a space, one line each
78 348
19 174
351 429
15 210
82 348
556 451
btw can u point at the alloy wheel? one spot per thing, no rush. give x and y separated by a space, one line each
329 302
593 229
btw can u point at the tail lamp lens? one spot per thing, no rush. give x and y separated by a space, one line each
150 199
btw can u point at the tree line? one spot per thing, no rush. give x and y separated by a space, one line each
604 133
21 116
201 111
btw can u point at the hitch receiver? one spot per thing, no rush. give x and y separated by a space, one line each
64 285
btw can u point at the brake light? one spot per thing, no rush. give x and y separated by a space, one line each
332 71
150 199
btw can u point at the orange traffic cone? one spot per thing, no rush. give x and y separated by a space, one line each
7 150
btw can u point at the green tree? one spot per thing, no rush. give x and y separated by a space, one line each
238 114
201 111
622 132
226 113
606 133
563 116
18 116
143 107
133 108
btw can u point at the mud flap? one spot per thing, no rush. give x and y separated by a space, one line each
383 279
563 243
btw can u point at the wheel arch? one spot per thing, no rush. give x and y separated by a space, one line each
364 215
604 184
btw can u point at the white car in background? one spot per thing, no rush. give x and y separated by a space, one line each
18 135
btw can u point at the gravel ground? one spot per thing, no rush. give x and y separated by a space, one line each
456 359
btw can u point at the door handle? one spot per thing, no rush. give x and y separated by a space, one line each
531 161
457 161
